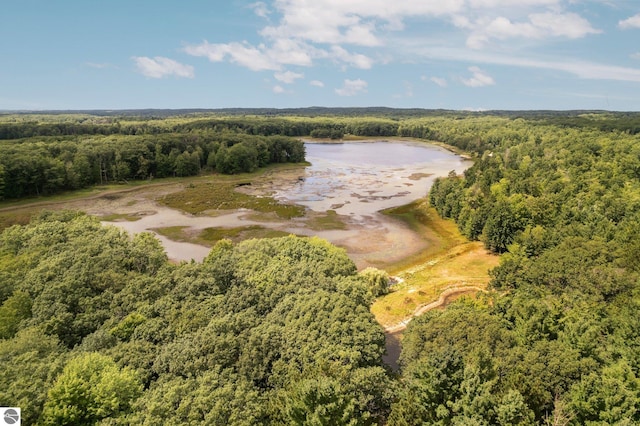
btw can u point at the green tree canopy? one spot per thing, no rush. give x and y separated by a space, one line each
90 388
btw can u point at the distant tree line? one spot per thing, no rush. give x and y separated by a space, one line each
44 154
322 128
47 165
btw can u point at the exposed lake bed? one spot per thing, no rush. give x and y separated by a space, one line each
343 191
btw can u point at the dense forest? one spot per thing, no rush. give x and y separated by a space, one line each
47 165
98 328
560 340
96 325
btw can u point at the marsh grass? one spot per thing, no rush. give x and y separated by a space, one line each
175 233
219 193
15 218
328 222
119 217
209 236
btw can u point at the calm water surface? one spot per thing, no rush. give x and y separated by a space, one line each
359 179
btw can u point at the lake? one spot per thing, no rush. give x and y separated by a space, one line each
354 179
362 178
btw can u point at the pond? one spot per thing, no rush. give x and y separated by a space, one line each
355 180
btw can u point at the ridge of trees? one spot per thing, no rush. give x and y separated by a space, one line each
152 113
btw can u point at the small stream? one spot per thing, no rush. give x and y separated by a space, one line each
393 347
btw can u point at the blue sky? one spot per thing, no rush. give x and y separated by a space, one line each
455 54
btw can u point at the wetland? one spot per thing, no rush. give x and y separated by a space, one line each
339 196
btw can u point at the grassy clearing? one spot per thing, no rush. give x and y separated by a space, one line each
201 197
58 198
14 218
175 233
441 235
450 261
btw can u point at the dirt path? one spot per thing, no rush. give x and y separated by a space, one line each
393 334
443 300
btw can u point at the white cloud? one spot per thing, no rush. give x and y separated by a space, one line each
491 4
258 58
316 83
568 25
292 52
241 53
580 68
362 34
287 77
354 59
502 28
278 89
352 87
439 81
632 22
593 71
260 9
478 79
159 67
635 55
538 26
352 22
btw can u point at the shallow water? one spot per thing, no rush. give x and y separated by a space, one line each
356 180
360 179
